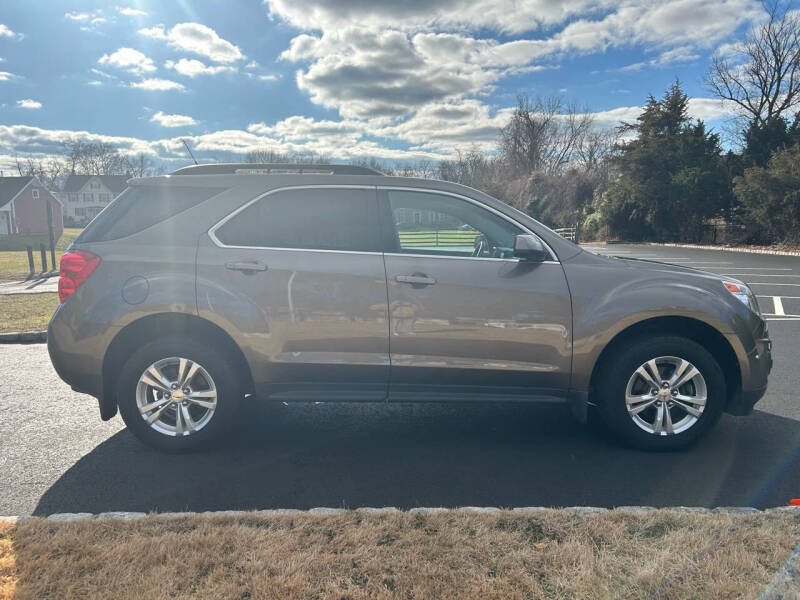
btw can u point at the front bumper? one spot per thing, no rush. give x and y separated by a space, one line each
754 386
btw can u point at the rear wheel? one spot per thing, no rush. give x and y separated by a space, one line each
661 393
178 395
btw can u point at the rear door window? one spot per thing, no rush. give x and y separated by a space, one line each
312 219
142 206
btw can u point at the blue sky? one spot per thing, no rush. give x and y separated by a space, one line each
413 79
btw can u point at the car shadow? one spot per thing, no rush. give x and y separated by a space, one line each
405 455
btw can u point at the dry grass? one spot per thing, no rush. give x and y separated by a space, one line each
26 312
448 555
14 263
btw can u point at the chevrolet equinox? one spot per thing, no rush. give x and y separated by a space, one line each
195 292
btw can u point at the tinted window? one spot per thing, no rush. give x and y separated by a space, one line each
320 219
141 206
428 223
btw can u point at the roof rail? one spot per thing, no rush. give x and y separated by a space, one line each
273 169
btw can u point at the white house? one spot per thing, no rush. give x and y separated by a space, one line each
84 196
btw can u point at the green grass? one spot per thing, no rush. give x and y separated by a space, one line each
14 263
26 312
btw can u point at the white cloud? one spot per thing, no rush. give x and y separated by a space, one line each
510 16
269 77
6 76
675 55
157 85
448 125
130 60
77 16
191 67
131 12
426 55
30 104
156 32
172 120
103 74
6 32
196 38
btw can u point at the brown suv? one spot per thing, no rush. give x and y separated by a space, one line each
195 292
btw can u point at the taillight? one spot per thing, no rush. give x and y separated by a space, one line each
76 266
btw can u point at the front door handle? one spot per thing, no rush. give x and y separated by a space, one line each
416 279
246 266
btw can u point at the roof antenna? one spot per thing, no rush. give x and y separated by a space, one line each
189 150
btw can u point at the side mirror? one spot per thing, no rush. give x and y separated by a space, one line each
529 247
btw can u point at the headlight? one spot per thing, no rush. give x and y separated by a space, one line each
743 293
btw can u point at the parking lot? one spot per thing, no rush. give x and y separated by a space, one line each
57 456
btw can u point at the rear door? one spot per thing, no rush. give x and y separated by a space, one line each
468 320
298 274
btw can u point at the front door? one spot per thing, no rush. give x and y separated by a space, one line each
467 320
299 275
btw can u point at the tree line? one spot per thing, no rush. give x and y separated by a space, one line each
80 157
664 177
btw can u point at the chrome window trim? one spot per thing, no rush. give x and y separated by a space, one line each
553 255
212 230
221 222
481 258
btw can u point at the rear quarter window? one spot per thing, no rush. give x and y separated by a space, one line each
307 218
142 206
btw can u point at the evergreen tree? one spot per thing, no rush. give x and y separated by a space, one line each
670 178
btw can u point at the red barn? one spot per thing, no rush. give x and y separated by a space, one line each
23 207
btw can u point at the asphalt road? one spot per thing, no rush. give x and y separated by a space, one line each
57 456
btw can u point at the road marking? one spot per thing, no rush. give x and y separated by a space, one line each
758 275
760 269
786 318
772 283
778 306
787 297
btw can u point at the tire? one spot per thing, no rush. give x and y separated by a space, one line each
663 423
208 405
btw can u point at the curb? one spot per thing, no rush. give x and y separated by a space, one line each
728 249
581 511
784 584
23 337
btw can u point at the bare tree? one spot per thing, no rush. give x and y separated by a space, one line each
95 158
762 74
373 163
543 135
271 156
50 171
424 169
141 165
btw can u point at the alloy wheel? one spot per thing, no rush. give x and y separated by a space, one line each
666 395
176 396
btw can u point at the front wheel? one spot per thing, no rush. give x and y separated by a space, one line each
178 395
661 393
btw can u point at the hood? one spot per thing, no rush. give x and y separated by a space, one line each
667 268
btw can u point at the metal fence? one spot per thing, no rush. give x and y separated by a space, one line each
443 238
570 233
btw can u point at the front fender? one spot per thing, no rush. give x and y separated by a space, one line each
609 297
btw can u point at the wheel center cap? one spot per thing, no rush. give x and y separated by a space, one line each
663 394
177 395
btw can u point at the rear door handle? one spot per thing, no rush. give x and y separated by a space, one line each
246 266
416 279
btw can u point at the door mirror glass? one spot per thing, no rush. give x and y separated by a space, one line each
529 247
